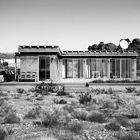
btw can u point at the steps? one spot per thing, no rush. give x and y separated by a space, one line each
75 87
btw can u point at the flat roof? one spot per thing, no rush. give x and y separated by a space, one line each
44 49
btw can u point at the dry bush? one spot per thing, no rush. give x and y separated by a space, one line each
108 112
3 92
92 106
5 109
130 89
76 127
20 90
113 126
61 93
11 118
108 103
133 111
137 93
1 101
39 98
71 95
50 119
62 101
80 114
123 121
85 98
136 126
33 113
3 133
96 116
129 111
68 108
55 117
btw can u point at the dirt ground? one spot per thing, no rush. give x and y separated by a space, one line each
110 104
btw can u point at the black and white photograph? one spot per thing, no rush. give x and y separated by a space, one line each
69 69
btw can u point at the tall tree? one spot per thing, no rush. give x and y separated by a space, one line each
135 45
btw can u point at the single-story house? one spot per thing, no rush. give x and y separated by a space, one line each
41 63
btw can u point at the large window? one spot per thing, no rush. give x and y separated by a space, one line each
120 68
99 68
126 68
73 68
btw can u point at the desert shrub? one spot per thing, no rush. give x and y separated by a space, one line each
61 93
98 91
108 103
76 127
11 118
123 121
113 126
74 103
1 101
110 91
55 117
130 89
130 137
87 84
56 101
119 101
68 108
80 114
48 87
50 119
96 116
71 95
3 134
136 126
133 112
5 109
62 101
20 90
84 98
33 113
108 112
40 98
137 93
3 93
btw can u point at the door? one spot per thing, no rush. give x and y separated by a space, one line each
44 68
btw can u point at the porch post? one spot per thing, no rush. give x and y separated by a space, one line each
15 66
84 69
108 68
120 68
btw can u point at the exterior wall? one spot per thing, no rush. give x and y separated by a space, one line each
61 69
57 69
29 63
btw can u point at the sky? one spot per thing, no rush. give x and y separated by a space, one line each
70 24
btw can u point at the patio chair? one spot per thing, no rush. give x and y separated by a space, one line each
34 76
28 75
22 75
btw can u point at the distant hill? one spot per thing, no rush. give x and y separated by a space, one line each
7 55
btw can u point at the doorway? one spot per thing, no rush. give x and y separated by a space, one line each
44 68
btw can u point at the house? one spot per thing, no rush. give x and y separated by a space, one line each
42 63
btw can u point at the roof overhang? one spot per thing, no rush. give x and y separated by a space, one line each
96 54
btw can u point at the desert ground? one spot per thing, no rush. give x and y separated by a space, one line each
40 114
